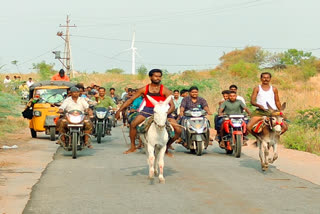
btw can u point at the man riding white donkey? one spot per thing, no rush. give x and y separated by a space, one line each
267 121
154 94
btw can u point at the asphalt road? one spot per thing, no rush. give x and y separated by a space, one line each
103 180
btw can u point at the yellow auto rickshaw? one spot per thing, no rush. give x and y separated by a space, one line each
46 96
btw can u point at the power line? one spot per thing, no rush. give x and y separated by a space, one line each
174 15
185 44
49 51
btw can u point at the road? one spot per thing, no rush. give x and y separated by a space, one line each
103 180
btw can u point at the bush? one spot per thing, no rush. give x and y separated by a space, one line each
115 71
44 70
309 118
142 72
244 69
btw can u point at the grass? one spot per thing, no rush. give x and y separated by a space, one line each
10 113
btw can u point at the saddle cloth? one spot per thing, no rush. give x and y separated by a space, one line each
258 127
145 125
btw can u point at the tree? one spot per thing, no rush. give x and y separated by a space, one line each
295 57
115 71
252 54
142 72
44 70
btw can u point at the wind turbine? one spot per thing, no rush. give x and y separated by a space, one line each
133 49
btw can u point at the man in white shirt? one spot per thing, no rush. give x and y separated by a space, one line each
75 102
123 95
29 82
177 101
6 81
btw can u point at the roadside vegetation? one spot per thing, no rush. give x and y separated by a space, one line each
10 112
295 74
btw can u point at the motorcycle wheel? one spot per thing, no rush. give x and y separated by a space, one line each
74 145
192 151
52 131
99 133
114 123
33 133
237 149
199 148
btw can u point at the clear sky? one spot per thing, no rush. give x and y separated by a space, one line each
173 34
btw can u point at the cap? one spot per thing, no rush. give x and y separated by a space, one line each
74 89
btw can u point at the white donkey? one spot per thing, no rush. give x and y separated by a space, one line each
270 136
156 138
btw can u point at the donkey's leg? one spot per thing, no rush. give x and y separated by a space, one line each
266 154
261 153
161 163
150 153
275 152
156 161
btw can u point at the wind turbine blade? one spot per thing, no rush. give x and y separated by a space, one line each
136 52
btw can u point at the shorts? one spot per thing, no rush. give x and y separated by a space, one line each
148 111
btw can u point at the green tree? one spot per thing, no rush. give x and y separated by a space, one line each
44 70
142 72
295 57
115 71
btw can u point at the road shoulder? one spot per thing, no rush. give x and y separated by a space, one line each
21 168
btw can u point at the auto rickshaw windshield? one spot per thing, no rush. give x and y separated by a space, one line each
51 95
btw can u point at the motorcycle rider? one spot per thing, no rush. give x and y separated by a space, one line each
115 97
158 92
177 102
193 101
229 107
235 89
75 102
106 102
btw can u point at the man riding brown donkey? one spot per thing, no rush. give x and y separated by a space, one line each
261 95
159 93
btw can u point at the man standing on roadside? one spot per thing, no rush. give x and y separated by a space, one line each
29 82
60 76
158 92
6 81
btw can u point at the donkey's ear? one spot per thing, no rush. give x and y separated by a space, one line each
269 107
168 100
153 101
283 107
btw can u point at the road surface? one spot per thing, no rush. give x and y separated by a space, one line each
103 180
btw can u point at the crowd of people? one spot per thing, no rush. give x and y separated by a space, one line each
135 107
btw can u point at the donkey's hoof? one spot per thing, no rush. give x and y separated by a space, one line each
156 173
270 160
162 181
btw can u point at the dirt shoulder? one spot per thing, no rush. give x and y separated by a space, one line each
21 168
301 164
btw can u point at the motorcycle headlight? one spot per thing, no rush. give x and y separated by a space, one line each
196 113
75 119
236 123
101 114
37 113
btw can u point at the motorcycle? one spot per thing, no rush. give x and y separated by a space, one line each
74 138
234 127
112 116
196 132
100 122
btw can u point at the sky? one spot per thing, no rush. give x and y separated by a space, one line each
176 35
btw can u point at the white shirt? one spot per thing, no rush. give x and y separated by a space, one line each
241 99
266 96
69 104
5 81
123 95
29 83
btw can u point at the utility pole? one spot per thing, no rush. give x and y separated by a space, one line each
67 63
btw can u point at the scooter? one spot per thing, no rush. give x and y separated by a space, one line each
234 127
196 132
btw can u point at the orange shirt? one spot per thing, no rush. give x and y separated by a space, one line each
57 77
